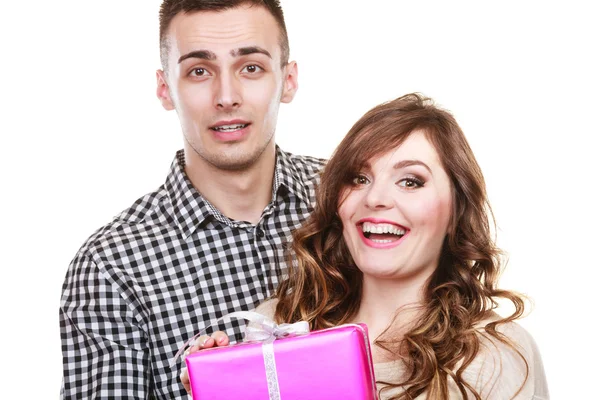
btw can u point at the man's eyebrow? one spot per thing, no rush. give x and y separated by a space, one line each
202 54
406 163
244 51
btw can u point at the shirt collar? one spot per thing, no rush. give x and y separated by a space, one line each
191 209
287 175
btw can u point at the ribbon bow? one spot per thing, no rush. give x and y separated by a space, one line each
263 329
260 329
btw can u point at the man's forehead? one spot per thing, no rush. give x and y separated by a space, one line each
224 31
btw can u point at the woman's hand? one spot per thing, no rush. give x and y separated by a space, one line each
218 338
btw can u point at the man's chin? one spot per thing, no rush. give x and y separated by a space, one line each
233 156
234 165
237 160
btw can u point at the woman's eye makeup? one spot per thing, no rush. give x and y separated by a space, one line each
411 182
407 181
360 180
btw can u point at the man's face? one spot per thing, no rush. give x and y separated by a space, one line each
225 80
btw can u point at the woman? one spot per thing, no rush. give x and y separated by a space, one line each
400 240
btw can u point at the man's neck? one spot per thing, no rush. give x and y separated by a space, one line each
239 195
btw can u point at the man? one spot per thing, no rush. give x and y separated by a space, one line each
210 240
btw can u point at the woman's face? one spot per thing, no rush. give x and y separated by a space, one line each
397 213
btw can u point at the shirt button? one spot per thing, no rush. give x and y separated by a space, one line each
260 233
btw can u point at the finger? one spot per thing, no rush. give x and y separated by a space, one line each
193 349
202 342
210 342
220 338
185 380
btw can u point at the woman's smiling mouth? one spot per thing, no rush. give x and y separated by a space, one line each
381 234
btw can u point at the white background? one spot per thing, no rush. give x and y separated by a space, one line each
82 136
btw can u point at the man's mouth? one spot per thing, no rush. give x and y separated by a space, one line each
228 128
382 232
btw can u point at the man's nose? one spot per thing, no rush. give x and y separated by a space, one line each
228 94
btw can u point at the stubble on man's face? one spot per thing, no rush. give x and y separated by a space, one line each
232 160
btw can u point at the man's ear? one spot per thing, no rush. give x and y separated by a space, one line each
162 90
290 82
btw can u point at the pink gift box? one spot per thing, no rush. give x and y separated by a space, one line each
330 364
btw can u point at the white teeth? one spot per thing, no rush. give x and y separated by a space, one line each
382 228
227 128
382 241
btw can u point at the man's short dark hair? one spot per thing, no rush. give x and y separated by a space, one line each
170 8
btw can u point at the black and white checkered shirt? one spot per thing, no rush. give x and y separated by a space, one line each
160 271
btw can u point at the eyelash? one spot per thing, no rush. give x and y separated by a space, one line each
416 181
258 68
356 178
193 71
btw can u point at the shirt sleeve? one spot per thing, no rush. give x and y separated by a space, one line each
498 372
105 354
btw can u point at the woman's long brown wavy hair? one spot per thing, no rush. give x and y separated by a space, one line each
324 286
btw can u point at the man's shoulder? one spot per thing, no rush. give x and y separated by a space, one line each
148 215
307 167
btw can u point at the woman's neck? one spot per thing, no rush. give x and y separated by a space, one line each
390 308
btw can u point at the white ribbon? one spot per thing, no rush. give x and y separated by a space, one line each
265 330
262 330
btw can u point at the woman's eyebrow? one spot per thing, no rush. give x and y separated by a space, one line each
406 163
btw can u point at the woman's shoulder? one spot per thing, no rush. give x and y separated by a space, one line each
267 308
511 336
507 363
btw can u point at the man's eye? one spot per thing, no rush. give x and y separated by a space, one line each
360 180
252 69
198 72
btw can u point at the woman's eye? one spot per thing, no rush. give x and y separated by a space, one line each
411 183
360 180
